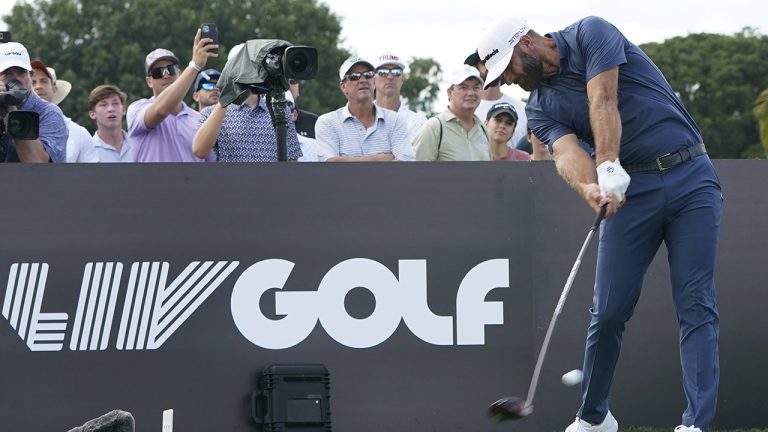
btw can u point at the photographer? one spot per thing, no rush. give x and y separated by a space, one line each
51 144
242 133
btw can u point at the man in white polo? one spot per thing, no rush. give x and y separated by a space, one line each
360 131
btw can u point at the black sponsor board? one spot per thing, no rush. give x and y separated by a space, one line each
395 263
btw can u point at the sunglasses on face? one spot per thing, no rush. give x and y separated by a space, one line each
292 81
355 76
159 72
208 86
383 72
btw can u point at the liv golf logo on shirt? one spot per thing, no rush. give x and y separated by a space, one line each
154 308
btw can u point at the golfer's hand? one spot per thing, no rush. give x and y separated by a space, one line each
613 180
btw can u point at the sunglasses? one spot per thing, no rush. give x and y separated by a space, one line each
207 86
383 72
292 81
355 76
159 72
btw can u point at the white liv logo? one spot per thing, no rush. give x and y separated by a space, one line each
152 312
404 298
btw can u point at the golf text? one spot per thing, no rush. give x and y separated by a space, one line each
153 309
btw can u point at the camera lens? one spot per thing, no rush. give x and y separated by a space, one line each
300 62
23 124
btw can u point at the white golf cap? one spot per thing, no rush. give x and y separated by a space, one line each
347 65
14 54
497 43
460 74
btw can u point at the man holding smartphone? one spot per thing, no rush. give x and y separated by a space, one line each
162 127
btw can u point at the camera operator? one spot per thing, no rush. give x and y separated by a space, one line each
51 145
242 133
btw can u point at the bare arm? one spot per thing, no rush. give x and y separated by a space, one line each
206 136
168 101
604 117
31 151
576 167
602 91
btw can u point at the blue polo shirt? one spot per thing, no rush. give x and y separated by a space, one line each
654 120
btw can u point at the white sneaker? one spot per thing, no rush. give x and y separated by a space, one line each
683 428
608 425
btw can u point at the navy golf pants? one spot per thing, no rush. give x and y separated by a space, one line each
681 207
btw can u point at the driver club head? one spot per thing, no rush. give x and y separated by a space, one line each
509 408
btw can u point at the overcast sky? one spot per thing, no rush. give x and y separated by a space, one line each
447 30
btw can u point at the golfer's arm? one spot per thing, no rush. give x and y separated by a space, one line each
602 91
574 164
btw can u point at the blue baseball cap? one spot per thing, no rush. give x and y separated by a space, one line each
206 76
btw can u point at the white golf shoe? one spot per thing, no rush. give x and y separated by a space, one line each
683 428
608 425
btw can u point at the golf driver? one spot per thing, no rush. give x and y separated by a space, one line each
514 408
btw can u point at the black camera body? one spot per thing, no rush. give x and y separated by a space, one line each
24 125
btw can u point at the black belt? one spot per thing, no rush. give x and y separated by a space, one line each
669 160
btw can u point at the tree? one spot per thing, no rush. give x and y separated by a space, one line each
760 110
718 77
92 42
422 84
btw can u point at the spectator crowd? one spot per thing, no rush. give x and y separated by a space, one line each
375 124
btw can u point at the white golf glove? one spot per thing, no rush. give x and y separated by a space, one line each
612 179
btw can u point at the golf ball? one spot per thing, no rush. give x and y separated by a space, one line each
572 378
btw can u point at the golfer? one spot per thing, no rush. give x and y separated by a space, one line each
588 82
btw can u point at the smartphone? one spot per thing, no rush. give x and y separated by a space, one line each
5 36
209 30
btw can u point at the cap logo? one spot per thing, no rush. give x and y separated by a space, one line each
490 55
389 57
14 53
516 37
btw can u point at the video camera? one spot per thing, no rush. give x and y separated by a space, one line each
293 62
284 63
24 125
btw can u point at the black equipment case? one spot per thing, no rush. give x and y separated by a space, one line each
293 397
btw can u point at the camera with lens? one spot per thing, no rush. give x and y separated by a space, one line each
292 62
24 125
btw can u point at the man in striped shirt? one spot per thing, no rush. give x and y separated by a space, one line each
360 131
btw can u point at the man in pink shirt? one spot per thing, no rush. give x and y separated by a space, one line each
161 128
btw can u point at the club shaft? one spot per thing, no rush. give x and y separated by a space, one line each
559 308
